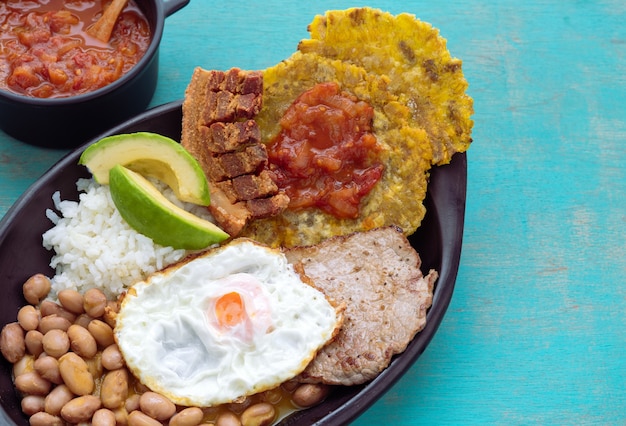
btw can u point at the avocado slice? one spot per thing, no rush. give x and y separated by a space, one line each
153 155
147 211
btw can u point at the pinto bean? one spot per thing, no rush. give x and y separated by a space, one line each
48 307
82 341
132 402
55 343
83 320
32 404
57 398
53 322
137 418
12 343
24 365
102 332
34 342
28 317
45 419
48 368
121 416
103 417
94 302
227 418
94 365
32 383
191 416
156 406
112 357
114 389
72 301
259 414
310 394
75 373
81 409
36 288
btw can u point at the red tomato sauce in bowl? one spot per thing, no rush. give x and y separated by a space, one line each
45 51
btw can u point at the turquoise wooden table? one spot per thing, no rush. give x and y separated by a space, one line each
536 330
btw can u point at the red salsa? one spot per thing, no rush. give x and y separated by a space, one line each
46 53
325 155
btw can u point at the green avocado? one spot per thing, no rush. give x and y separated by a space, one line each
153 155
147 211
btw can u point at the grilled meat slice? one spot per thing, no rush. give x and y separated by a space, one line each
377 274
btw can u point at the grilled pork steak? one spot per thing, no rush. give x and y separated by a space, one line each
377 274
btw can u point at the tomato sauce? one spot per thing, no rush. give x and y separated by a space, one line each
46 53
325 155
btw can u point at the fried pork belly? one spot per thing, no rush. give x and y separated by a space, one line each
219 130
377 275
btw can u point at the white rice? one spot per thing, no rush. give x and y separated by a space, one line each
95 247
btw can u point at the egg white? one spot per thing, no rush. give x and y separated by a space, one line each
171 340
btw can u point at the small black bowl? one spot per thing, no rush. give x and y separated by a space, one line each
69 122
438 241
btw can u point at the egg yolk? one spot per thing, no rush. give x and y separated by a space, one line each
229 309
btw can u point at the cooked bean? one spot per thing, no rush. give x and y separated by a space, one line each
36 288
81 409
34 342
112 357
55 343
12 343
310 394
102 332
156 406
24 365
114 389
94 302
28 317
32 383
53 322
83 320
227 418
121 416
290 385
132 402
72 301
48 368
260 414
94 365
45 419
57 398
48 307
191 416
103 417
137 418
273 396
75 373
81 341
32 404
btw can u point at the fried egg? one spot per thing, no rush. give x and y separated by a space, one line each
232 322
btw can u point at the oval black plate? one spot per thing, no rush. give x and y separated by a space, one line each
438 241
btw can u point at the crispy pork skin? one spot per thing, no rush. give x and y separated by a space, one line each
219 130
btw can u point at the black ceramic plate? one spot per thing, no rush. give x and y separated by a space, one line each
438 241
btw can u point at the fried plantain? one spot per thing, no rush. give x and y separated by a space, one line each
422 73
396 199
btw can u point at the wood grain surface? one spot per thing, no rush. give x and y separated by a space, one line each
536 330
